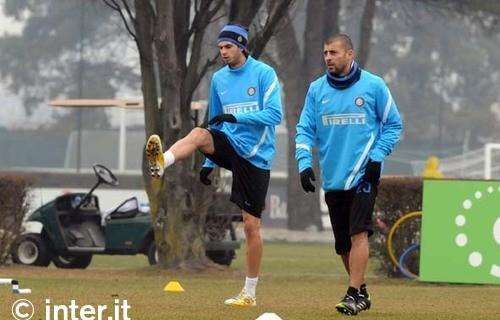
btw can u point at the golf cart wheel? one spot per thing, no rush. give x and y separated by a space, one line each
72 262
152 254
31 250
223 257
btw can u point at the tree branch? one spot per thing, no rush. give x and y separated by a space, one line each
217 18
206 66
129 12
259 42
115 6
196 79
111 5
200 22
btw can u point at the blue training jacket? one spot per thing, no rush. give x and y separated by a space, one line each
349 127
252 94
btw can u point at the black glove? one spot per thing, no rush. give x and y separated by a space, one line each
306 176
204 173
372 172
225 117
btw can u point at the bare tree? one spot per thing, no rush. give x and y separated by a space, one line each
170 35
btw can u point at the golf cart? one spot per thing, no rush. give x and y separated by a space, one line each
70 229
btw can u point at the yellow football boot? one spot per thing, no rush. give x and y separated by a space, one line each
154 155
243 299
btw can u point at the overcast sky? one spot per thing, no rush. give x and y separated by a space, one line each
11 111
12 114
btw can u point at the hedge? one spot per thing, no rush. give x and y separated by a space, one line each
397 196
14 193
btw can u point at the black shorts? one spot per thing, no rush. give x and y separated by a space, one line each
250 183
351 213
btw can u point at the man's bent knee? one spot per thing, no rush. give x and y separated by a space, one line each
203 139
199 134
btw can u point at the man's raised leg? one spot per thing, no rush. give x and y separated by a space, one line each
197 139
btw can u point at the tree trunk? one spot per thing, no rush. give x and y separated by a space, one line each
313 64
366 32
301 208
181 240
331 20
144 29
297 201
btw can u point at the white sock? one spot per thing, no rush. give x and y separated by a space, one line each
169 158
251 285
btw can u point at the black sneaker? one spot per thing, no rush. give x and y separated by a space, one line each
348 305
363 302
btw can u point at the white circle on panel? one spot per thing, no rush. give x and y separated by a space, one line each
467 204
475 259
461 240
496 231
460 220
478 195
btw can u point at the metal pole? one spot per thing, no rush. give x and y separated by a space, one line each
122 140
487 161
80 89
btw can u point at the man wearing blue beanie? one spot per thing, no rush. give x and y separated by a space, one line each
244 108
236 34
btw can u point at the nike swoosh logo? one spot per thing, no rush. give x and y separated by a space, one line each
223 92
325 101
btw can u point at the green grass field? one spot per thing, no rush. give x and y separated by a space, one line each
298 281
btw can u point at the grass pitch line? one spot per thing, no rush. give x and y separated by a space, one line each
15 286
269 316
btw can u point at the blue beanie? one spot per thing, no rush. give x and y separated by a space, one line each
234 33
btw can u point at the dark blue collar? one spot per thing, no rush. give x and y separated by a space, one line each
241 68
346 81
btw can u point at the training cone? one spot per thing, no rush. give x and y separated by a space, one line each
173 286
269 316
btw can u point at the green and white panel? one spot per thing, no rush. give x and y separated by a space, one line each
461 231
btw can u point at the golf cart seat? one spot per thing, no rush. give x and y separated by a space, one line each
81 225
86 234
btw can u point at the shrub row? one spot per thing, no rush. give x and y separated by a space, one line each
14 193
397 196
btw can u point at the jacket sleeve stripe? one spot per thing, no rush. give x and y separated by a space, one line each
303 146
387 106
270 90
